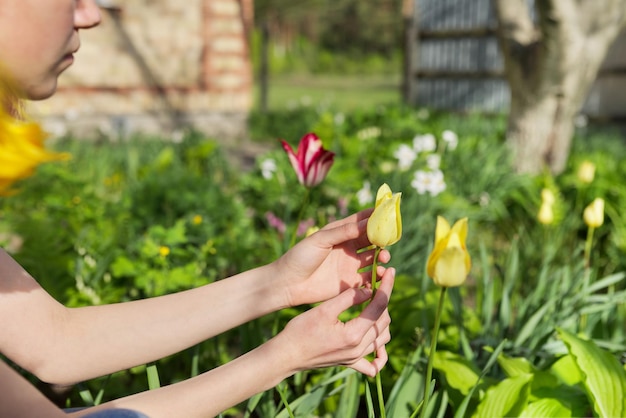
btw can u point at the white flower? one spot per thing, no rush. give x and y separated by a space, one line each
431 182
451 138
433 161
420 181
424 143
406 156
365 196
268 168
437 184
368 133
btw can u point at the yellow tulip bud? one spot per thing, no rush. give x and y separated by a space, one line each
594 213
545 215
586 172
449 263
547 196
384 227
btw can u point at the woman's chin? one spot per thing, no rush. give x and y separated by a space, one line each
41 91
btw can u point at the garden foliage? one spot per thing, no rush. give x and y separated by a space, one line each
537 329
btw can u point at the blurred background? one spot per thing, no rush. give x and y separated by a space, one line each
471 108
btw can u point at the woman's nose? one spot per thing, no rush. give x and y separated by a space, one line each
87 14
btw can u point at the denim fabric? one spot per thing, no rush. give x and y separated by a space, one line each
111 413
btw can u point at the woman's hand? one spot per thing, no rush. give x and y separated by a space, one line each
326 263
317 338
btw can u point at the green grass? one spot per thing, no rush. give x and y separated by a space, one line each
342 92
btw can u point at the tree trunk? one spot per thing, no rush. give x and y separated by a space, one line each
550 66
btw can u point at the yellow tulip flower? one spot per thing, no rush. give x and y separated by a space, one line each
545 215
547 196
586 172
21 141
384 226
449 263
594 213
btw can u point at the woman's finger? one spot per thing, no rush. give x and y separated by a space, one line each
371 368
376 308
355 217
345 300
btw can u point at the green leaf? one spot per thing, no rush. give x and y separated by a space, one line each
566 371
530 327
349 401
507 398
603 376
408 389
546 407
252 404
369 402
460 412
460 373
605 282
515 366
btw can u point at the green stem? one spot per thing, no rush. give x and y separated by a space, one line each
379 385
433 349
374 268
588 243
283 397
381 400
305 203
153 376
587 267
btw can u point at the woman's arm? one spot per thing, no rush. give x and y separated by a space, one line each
18 398
313 339
62 345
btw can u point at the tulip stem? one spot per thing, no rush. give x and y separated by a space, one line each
588 244
433 349
587 266
305 203
374 268
379 384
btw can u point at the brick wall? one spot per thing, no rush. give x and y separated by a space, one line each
158 66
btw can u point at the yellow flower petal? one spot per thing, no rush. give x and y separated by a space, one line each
384 192
545 215
586 172
21 141
594 213
451 268
384 227
449 262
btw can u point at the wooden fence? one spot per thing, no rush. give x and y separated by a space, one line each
453 61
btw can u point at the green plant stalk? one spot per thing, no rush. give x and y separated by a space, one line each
153 376
588 244
587 272
379 384
283 397
305 203
433 349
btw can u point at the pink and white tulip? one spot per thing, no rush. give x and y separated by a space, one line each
311 161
